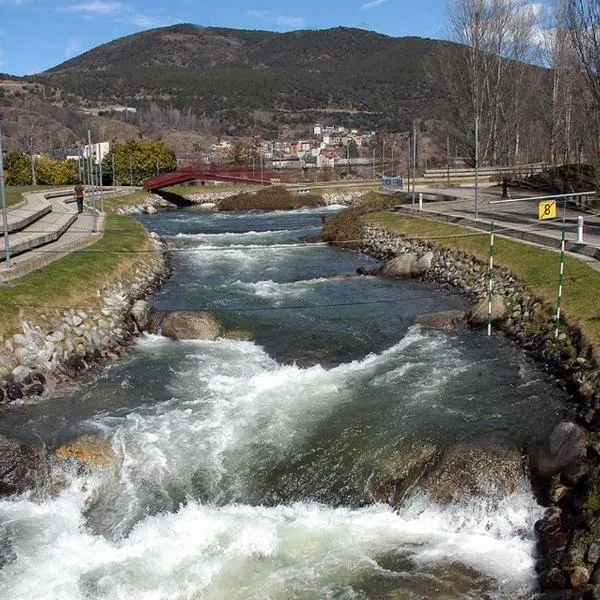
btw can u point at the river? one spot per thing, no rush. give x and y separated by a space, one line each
242 466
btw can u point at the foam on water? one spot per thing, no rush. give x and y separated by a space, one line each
279 291
302 550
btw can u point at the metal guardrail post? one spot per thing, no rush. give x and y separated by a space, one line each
4 208
580 229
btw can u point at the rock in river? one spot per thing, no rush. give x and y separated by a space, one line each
190 325
487 468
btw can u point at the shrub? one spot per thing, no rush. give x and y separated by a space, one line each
270 198
345 228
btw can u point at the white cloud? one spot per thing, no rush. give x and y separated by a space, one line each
279 20
146 22
373 3
96 7
73 48
289 21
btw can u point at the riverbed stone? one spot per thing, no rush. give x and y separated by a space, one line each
395 474
92 450
564 448
55 336
139 311
190 325
447 319
479 313
399 266
20 373
22 466
422 264
483 468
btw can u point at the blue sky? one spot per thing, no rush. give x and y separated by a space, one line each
38 34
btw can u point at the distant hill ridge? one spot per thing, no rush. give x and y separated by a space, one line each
215 70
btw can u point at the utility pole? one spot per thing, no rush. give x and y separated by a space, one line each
130 172
383 159
4 208
476 167
414 160
373 162
348 157
91 171
448 158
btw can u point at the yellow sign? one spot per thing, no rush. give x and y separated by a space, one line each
547 209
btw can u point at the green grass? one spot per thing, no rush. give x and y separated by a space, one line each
73 281
134 198
536 268
14 194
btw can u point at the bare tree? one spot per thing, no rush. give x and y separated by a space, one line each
582 18
485 75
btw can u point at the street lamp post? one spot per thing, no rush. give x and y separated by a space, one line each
4 209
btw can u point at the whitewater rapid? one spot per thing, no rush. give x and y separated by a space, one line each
241 468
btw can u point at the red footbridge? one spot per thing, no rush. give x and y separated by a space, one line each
203 172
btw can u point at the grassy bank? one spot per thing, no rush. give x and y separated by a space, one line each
534 267
73 281
112 204
14 194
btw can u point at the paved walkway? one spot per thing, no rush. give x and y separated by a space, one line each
518 219
43 228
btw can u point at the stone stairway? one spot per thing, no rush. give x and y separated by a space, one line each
42 228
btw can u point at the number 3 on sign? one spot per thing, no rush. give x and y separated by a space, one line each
547 209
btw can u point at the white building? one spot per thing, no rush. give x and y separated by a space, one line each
98 151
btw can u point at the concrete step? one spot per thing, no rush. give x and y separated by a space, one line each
44 230
32 208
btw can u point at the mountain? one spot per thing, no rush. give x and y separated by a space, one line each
192 85
225 73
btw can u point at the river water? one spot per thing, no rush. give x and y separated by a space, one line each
242 466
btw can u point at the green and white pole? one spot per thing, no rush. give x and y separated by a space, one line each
561 280
4 208
490 279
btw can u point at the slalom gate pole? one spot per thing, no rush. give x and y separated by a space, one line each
490 280
561 280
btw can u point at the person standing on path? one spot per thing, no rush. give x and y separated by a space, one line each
79 194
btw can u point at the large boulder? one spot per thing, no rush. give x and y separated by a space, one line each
487 468
395 474
155 320
423 264
190 325
479 313
447 319
399 266
563 451
23 466
140 311
90 450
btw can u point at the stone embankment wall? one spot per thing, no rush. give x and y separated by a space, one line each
565 466
59 347
343 198
153 203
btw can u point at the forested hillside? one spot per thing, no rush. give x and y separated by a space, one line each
227 73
